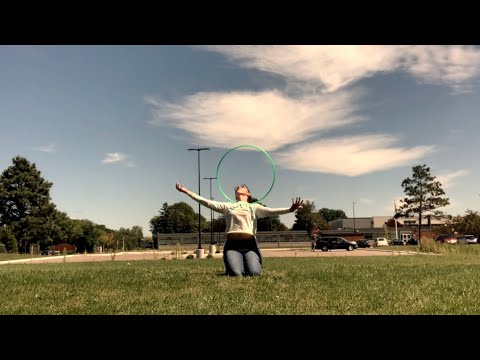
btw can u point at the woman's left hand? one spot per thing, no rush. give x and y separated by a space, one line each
296 204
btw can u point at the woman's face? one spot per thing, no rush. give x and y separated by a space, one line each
242 193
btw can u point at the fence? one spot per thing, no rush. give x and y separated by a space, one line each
220 238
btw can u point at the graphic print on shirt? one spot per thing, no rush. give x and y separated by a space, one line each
242 213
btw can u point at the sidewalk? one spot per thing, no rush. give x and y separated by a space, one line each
167 255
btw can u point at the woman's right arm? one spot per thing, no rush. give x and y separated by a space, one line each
214 205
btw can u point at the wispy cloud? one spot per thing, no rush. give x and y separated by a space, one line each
292 122
448 180
269 118
350 156
111 158
50 148
336 66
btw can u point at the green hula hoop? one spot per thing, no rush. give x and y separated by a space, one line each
228 152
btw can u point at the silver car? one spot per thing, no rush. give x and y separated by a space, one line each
468 239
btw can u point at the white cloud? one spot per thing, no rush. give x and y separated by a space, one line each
269 118
350 156
50 148
335 66
447 180
273 120
116 157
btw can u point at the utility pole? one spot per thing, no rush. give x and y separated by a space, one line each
354 230
199 249
211 212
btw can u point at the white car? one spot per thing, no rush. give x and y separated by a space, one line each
468 239
381 241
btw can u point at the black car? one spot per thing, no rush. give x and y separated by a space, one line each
398 242
335 242
411 241
363 243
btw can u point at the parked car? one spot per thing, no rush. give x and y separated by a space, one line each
381 241
446 238
335 242
411 241
46 252
363 243
467 239
398 242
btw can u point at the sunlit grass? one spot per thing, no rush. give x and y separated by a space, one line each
419 284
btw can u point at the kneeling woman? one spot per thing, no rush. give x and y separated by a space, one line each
240 253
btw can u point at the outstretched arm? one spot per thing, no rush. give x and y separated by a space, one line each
214 205
182 189
297 204
263 211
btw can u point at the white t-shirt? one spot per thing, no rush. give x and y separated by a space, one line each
240 217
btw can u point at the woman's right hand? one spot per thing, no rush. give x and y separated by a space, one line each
181 188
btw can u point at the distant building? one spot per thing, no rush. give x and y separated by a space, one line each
384 226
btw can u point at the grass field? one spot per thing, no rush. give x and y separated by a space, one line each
419 284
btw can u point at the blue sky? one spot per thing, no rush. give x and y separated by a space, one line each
110 125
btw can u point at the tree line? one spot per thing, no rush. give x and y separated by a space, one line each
28 215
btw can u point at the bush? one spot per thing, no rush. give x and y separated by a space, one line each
189 257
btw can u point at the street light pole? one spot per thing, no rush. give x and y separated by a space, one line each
199 219
354 231
211 211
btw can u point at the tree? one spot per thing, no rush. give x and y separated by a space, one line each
161 224
219 224
307 218
177 218
269 223
424 196
8 239
331 214
62 228
25 204
468 224
86 235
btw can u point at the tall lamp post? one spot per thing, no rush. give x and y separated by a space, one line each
199 249
212 246
354 230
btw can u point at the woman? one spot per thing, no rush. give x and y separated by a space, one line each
240 253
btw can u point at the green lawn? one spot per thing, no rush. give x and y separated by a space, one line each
419 284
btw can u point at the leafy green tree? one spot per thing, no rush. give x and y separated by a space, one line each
8 239
331 214
424 196
177 218
61 228
269 223
469 223
25 204
219 224
86 235
307 218
129 238
162 224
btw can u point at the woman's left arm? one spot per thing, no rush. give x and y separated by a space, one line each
263 211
